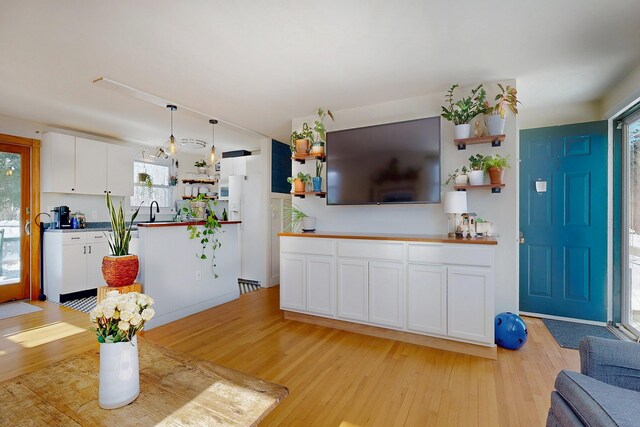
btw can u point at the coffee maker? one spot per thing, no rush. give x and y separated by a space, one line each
61 217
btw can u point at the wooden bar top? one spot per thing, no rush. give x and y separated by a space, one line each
431 238
180 224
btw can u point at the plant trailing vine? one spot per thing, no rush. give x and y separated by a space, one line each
207 234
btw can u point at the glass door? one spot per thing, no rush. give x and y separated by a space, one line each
631 274
15 166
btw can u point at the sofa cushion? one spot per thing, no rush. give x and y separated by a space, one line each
597 403
561 414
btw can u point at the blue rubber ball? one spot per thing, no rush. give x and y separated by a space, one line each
511 331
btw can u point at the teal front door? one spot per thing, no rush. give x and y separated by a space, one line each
563 250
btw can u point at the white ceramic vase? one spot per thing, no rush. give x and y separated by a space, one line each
495 124
476 177
462 131
309 223
119 374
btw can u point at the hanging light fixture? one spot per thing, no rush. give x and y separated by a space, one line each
212 157
173 147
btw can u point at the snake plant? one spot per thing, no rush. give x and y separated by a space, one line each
121 236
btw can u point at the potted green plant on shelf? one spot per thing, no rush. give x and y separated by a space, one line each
300 142
200 209
495 166
317 180
299 182
476 169
464 110
495 115
458 177
317 147
298 219
201 165
120 268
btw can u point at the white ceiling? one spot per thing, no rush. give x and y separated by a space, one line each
261 63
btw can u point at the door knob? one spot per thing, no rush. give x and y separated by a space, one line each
521 239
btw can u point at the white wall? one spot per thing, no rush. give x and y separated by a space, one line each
555 115
623 95
501 208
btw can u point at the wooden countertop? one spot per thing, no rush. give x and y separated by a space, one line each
432 238
180 224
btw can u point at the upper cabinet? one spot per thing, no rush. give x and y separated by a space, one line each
78 165
234 166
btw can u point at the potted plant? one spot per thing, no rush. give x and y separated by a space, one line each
206 234
463 111
317 180
299 218
118 319
476 166
145 178
496 166
300 141
299 182
201 165
317 147
495 115
120 268
458 177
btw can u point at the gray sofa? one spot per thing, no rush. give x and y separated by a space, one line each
605 393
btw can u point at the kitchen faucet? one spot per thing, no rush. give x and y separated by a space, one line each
152 216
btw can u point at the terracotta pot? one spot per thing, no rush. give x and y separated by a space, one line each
302 146
120 270
298 186
496 176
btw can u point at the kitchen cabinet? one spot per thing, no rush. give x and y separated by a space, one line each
353 289
470 303
321 285
427 298
292 291
79 165
233 166
386 293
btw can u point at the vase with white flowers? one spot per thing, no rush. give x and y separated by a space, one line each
118 319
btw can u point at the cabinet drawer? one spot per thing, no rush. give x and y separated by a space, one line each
74 238
468 255
96 236
306 245
371 250
430 253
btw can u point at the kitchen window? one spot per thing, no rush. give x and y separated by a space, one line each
159 190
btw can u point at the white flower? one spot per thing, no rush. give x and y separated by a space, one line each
150 300
131 306
112 294
142 300
109 303
92 316
123 326
136 319
148 313
108 312
122 301
126 315
98 310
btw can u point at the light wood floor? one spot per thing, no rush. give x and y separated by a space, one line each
337 378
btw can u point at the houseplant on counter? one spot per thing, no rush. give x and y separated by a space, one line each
495 115
118 319
476 166
120 268
299 182
496 166
299 218
463 111
300 141
317 180
317 147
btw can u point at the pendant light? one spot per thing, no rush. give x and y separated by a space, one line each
212 157
173 147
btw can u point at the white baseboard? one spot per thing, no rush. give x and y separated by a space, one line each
566 319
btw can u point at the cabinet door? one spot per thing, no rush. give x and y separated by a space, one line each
292 282
386 293
57 163
119 170
427 299
95 253
74 268
239 166
321 285
353 289
226 169
91 167
470 304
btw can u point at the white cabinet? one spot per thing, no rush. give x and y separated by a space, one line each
74 269
233 166
78 165
353 289
427 299
470 303
386 293
321 285
292 281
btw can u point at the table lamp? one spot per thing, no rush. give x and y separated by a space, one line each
455 202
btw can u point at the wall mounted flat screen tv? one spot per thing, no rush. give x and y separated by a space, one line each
385 164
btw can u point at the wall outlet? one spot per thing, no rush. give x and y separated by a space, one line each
198 275
94 214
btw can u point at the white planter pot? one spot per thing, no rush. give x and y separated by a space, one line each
476 177
202 171
462 131
462 179
119 374
495 124
309 223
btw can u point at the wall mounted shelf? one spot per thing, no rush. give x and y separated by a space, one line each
495 188
193 197
494 140
304 157
321 194
199 181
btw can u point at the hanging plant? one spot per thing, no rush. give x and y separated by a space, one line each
207 234
145 178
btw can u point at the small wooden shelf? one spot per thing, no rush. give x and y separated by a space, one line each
193 197
321 194
495 188
303 157
199 181
494 140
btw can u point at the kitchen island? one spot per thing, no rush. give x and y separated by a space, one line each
173 274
